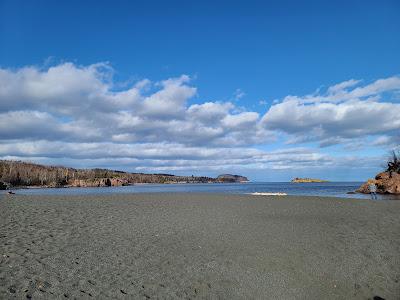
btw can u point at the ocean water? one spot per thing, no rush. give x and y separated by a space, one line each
334 189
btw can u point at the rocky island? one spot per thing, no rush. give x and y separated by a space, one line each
25 174
307 180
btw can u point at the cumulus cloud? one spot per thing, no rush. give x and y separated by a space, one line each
74 102
170 101
345 112
74 113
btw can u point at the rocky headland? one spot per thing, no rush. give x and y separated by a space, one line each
231 178
386 183
24 174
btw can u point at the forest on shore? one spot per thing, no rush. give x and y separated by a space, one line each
25 174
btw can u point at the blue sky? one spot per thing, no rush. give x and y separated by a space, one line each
251 54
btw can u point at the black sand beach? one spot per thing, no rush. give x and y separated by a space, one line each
198 246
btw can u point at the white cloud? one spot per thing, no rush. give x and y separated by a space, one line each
70 102
162 157
209 112
170 101
78 113
238 94
245 119
340 87
338 116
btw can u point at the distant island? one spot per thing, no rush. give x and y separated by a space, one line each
26 174
307 180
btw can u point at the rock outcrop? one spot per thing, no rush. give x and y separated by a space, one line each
3 186
99 182
386 183
231 178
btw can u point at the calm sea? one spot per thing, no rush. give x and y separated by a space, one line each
335 189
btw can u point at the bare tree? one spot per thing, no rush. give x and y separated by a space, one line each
393 164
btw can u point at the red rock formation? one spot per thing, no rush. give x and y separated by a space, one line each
97 182
386 183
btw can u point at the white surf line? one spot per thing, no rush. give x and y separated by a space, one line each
268 194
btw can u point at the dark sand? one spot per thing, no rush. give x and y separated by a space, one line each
198 246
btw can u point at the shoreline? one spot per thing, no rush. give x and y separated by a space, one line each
261 196
27 187
262 188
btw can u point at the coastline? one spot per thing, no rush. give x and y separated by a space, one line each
198 245
335 189
33 187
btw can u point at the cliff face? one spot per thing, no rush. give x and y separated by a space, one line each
231 178
97 182
386 183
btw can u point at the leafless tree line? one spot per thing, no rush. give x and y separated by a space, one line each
17 173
